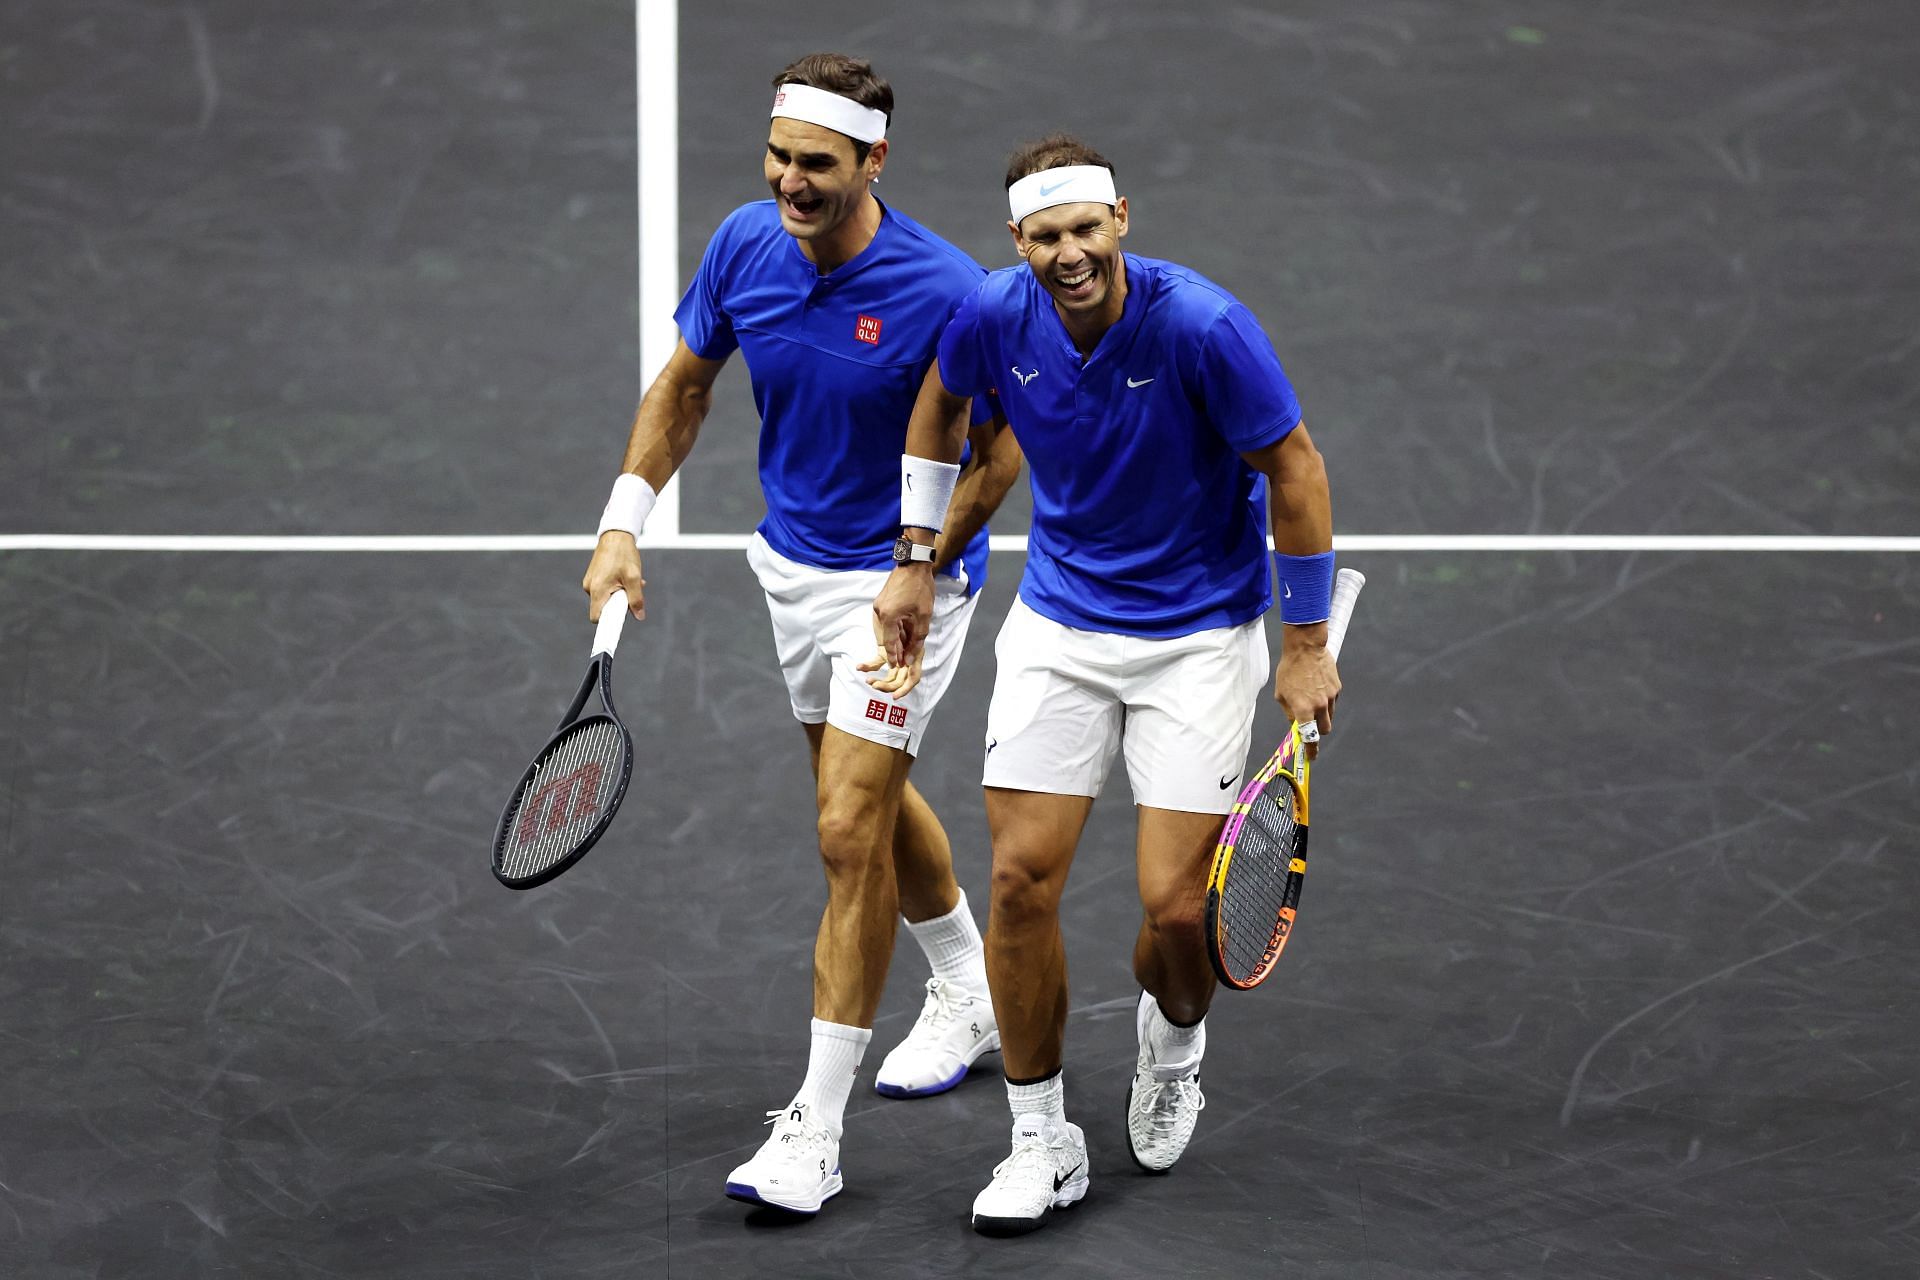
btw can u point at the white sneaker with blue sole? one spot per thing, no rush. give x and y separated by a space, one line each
955 1029
797 1169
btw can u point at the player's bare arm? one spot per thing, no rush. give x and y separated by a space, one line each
992 466
1306 682
903 611
664 429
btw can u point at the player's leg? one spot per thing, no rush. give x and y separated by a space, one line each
1164 1100
1034 835
1173 853
1189 723
858 795
865 752
1051 730
956 1023
922 855
956 1026
857 789
797 1168
923 860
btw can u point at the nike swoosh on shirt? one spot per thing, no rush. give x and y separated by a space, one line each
1143 382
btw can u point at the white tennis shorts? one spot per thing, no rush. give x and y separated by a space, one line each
1181 709
822 630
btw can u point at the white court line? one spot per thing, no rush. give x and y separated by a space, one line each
584 542
656 70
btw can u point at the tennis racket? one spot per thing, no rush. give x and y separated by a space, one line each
568 795
1261 860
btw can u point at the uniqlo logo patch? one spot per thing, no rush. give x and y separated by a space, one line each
867 329
897 717
876 709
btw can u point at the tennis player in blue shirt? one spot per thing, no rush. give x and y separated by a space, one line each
1156 420
837 303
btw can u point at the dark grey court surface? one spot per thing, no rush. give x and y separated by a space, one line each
1606 963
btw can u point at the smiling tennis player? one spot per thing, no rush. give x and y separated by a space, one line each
1151 408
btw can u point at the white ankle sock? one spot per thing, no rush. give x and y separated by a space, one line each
1047 1098
831 1067
952 944
1173 1044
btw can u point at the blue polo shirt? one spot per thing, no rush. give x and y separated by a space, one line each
1146 520
836 363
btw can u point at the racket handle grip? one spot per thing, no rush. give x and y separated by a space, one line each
1346 590
613 616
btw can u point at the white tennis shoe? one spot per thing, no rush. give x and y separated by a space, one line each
1164 1101
796 1169
1047 1171
956 1027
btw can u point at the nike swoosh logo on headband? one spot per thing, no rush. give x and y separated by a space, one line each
1047 191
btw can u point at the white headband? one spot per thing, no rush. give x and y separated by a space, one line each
1069 184
829 111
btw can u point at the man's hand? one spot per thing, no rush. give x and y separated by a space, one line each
902 616
615 565
1307 683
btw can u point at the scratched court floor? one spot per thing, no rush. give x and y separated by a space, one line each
1606 964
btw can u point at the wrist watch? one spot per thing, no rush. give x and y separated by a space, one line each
907 551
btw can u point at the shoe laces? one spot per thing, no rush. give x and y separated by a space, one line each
797 1131
1165 1101
1032 1155
942 1008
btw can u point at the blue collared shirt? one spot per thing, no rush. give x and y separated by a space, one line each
1146 519
836 363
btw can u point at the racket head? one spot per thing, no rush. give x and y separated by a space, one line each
1259 868
567 797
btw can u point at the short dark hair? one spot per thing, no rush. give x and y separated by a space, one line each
847 76
1054 151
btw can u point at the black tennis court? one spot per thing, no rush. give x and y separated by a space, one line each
1605 963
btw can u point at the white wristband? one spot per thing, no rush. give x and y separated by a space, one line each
629 505
926 490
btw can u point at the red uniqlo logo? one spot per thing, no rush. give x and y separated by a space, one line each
867 329
876 710
897 717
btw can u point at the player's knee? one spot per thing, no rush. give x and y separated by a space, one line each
848 842
1177 920
1023 890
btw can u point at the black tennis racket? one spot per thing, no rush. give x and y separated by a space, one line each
568 795
1260 863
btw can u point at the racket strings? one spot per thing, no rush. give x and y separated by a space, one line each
564 799
1259 881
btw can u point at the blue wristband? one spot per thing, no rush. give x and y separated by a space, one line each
1306 587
